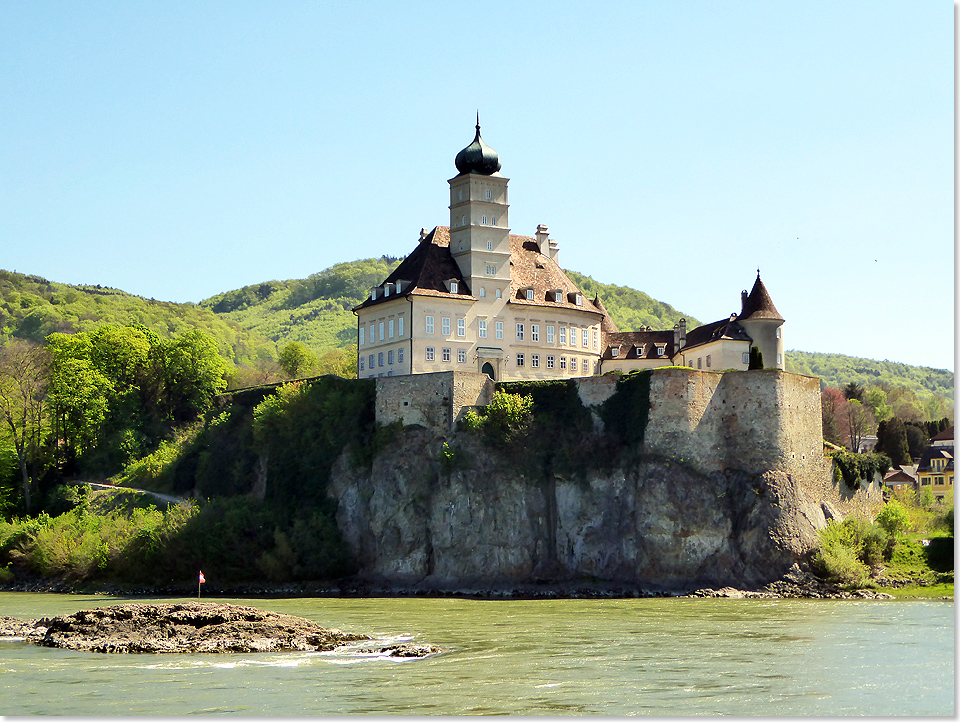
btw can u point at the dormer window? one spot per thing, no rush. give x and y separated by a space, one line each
386 290
614 352
660 350
640 350
373 294
454 287
529 294
579 300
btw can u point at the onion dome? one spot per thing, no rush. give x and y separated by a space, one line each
478 157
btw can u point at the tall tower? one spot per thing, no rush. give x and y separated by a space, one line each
479 225
763 323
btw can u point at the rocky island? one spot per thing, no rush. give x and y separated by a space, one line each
192 627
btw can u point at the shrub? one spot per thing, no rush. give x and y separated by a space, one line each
893 518
837 558
506 416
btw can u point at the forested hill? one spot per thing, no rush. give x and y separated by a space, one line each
837 370
316 311
32 307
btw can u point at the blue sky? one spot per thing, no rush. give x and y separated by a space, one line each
177 150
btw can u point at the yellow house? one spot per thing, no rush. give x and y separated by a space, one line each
935 470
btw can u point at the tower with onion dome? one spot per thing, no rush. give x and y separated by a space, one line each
479 225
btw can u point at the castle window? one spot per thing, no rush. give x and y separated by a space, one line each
573 337
381 330
778 332
535 360
429 353
488 195
586 338
390 358
445 326
484 221
428 324
461 327
489 245
573 363
493 221
482 328
400 356
549 362
535 332
550 334
390 328
499 329
596 339
362 334
483 292
380 359
454 287
529 294
519 359
463 222
746 358
563 363
461 355
461 245
779 358
446 355
361 363
614 352
519 332
371 361
498 293
708 360
400 326
699 363
390 372
563 335
460 194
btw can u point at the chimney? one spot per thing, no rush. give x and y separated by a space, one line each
680 335
743 300
548 247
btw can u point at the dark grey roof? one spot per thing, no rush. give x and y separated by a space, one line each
478 157
728 328
633 345
759 304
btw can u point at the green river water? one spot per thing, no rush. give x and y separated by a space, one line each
662 657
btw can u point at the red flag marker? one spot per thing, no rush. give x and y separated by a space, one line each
202 581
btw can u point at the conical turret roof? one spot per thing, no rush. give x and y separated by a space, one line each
759 305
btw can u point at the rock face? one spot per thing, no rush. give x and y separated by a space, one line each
187 627
655 524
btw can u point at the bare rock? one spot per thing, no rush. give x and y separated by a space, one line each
204 627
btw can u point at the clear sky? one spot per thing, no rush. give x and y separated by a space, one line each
179 149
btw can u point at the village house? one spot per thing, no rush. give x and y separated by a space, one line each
474 297
935 470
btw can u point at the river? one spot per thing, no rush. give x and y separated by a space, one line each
662 657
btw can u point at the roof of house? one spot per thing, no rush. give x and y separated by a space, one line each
632 345
431 265
945 435
897 476
727 328
935 452
759 305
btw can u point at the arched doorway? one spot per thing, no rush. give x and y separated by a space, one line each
488 370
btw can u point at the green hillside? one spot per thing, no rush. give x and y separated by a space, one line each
630 309
316 311
32 307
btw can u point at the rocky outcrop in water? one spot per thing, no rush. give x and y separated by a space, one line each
194 627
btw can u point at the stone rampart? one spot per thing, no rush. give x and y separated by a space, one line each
436 401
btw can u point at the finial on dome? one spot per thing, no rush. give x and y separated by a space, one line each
478 157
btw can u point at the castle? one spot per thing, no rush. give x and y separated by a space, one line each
474 297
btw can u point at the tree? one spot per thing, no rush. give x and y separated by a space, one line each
893 518
859 423
917 439
853 391
876 398
297 361
24 380
892 441
832 402
756 359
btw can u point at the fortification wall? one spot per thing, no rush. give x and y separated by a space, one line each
436 401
